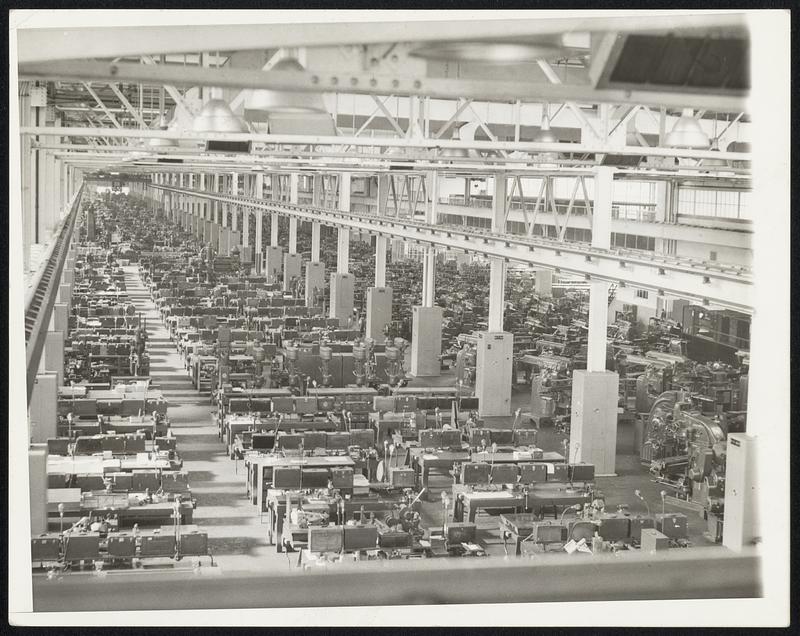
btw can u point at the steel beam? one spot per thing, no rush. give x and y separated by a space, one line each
124 101
705 282
370 84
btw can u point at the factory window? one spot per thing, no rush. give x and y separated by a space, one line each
726 204
642 293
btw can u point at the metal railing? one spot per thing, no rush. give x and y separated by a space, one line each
41 294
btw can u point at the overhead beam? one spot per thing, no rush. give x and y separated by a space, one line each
54 44
369 84
124 100
302 140
102 106
180 102
707 283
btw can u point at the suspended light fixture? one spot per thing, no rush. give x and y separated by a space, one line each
715 162
455 153
162 142
546 136
217 117
687 133
263 102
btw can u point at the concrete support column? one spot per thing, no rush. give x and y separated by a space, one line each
316 231
43 410
292 268
273 229
429 277
37 471
273 263
379 311
543 282
53 356
426 341
293 235
315 281
595 391
497 291
343 251
380 261
342 297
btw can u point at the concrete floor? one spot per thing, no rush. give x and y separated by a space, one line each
238 537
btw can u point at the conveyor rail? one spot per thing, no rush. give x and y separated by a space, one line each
706 282
42 293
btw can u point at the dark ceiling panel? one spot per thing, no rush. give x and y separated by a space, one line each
707 63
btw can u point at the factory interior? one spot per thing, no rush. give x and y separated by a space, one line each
346 313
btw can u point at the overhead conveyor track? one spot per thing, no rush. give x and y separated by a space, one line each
705 282
42 294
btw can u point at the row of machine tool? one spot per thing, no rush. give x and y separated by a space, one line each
116 491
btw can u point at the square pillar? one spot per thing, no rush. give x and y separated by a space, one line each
37 471
315 279
60 317
426 341
593 427
273 263
380 261
343 251
316 229
342 301
215 232
43 411
54 354
273 229
494 364
224 241
379 311
740 524
235 240
292 266
543 282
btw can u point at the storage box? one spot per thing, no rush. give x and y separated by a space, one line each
476 435
504 473
502 436
475 473
639 523
430 438
89 482
121 546
581 472
289 441
360 537
286 477
560 473
405 403
342 477
451 438
674 525
402 477
307 405
328 539
461 532
525 437
582 529
82 547
157 544
613 527
653 540
194 543
314 439
144 479
532 473
394 539
363 438
337 441
45 548
549 532
314 477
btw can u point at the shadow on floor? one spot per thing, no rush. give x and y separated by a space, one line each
235 545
